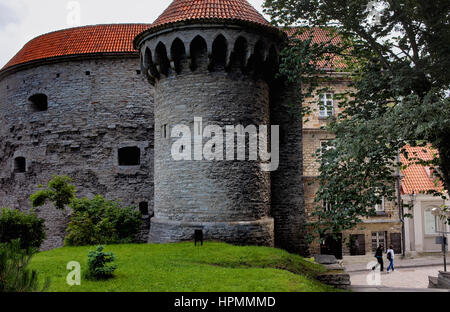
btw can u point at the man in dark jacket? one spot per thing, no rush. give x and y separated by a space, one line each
379 256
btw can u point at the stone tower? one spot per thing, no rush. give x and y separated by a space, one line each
213 60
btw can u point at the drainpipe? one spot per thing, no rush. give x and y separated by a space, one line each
400 206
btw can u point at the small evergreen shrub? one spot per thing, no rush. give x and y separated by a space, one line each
99 266
15 224
98 221
14 273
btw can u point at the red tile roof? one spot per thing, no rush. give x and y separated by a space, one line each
416 177
320 36
118 38
184 10
113 38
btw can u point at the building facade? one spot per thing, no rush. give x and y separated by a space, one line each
422 227
385 228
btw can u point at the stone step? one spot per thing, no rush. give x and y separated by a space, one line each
443 280
432 282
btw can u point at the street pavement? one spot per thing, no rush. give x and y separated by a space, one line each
410 275
413 278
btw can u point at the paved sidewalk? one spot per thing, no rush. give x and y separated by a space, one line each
392 289
403 279
360 263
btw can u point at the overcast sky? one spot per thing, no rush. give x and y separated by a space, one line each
22 20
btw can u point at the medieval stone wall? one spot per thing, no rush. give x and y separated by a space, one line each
95 107
288 204
228 199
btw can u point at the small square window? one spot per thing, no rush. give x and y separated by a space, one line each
129 156
38 102
20 165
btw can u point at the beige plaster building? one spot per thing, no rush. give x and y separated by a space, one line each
383 229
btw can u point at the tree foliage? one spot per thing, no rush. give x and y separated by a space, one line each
15 224
397 54
14 273
59 192
99 221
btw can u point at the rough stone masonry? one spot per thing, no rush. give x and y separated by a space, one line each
105 120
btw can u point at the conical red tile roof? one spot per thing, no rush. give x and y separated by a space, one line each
185 10
113 38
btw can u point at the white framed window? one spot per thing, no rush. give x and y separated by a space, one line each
326 105
326 206
431 223
325 144
380 207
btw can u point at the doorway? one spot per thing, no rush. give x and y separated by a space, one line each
330 245
357 245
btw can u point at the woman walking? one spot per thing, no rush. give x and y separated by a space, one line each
390 257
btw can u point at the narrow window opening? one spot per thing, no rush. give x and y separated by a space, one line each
129 156
138 72
143 208
161 59
178 53
88 73
164 131
239 54
38 102
20 165
219 53
198 53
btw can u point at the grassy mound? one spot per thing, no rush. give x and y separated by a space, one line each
181 267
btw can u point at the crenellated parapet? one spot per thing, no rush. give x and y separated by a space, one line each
215 48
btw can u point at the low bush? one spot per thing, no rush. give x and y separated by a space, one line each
14 273
98 221
99 266
15 224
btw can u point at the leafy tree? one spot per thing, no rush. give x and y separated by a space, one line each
14 273
15 224
397 54
59 191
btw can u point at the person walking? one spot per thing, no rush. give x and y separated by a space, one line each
390 256
379 256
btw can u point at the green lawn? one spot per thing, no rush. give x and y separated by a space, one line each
215 267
